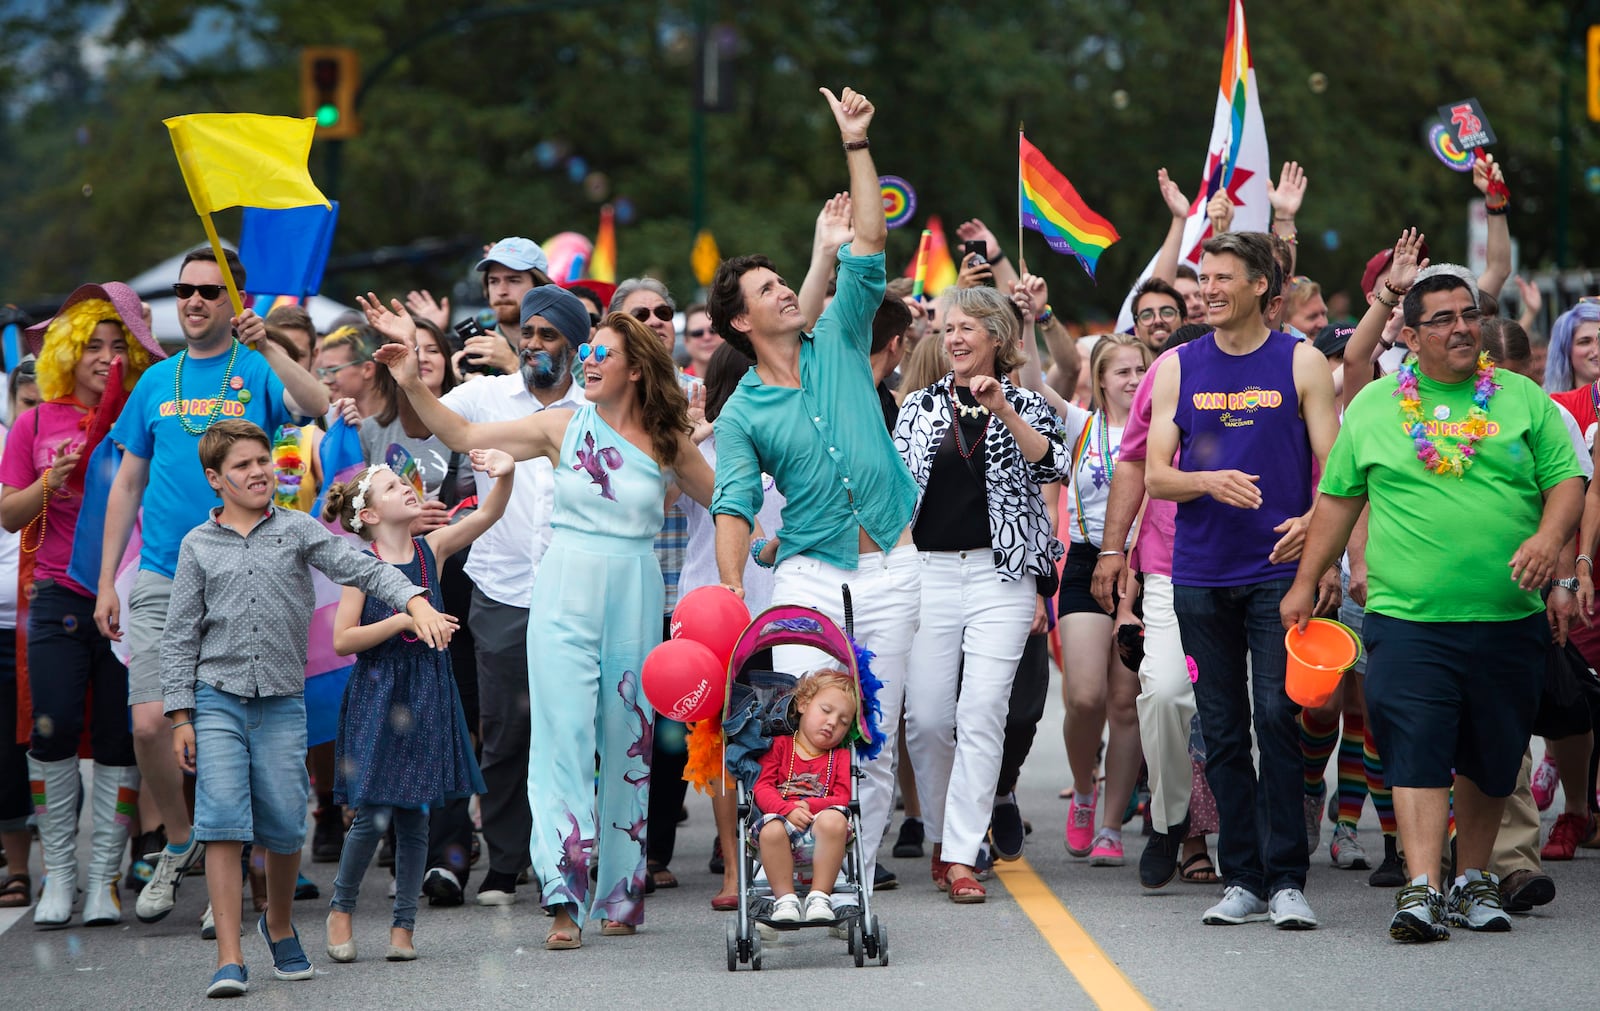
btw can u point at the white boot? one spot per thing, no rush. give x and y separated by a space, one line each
55 791
115 800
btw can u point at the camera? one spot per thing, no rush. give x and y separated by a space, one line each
463 332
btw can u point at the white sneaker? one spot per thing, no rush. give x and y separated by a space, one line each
161 893
208 924
819 907
1290 910
786 909
1238 905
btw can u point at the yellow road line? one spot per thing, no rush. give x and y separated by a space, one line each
1105 983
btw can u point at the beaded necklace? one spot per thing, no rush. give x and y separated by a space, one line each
1477 424
216 406
422 566
794 749
961 411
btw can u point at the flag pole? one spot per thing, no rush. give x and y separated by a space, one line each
1022 261
222 265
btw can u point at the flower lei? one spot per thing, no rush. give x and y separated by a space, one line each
1477 424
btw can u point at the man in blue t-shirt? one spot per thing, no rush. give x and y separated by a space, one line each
216 376
808 414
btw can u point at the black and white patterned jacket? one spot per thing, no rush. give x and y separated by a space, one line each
1019 527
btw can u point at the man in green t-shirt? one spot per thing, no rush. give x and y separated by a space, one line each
1474 493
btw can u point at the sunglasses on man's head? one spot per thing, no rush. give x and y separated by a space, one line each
598 352
209 292
661 312
27 366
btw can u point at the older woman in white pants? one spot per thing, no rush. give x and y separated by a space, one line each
978 448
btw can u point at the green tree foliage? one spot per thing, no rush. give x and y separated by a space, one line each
453 126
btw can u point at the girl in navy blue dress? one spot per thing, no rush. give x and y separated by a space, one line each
403 745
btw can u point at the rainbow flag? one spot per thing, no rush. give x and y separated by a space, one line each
1235 86
939 269
1051 206
603 261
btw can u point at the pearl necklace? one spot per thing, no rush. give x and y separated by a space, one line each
216 406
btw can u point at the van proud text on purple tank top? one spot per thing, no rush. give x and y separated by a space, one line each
1239 413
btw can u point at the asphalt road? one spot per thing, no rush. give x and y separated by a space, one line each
988 956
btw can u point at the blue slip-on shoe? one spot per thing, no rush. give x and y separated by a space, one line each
232 980
289 960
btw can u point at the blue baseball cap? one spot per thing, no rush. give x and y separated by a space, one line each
517 253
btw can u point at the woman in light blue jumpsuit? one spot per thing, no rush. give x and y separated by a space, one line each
597 603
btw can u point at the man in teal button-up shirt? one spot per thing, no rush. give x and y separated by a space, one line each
808 414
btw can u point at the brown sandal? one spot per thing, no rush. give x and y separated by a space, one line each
611 928
16 891
563 939
940 869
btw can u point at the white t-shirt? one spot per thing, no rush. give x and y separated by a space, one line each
505 557
700 556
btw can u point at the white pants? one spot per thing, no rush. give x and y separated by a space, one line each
964 657
1166 707
884 591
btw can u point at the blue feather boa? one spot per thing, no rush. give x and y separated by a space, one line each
870 688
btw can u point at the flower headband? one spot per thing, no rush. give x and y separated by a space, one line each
360 501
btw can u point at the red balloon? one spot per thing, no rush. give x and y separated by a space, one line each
683 680
713 616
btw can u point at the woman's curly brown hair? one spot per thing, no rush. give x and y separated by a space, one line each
664 408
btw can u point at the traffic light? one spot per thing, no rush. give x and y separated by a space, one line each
329 77
1594 72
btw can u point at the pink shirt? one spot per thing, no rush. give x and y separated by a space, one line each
1152 551
30 448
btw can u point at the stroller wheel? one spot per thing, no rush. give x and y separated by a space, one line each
733 946
858 946
882 935
755 952
869 937
850 937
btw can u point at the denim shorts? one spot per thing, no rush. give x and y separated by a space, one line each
250 769
802 844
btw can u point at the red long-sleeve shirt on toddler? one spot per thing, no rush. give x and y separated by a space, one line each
787 778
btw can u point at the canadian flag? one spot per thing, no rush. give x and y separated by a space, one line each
1236 158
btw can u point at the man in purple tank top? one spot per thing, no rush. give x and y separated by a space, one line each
1249 408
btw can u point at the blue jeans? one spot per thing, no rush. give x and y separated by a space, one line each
250 769
1261 835
410 858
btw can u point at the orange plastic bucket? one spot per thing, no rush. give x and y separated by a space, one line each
1318 658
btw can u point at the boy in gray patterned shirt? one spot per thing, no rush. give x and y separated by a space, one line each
233 680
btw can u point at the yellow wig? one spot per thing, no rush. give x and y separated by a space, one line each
65 340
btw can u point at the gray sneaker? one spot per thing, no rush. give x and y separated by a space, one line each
161 893
1419 914
1290 910
1346 850
1238 905
1476 904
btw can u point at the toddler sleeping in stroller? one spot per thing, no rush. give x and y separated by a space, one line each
802 795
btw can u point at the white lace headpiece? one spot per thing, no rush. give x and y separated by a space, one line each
360 501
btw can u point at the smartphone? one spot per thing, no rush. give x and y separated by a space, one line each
974 247
465 331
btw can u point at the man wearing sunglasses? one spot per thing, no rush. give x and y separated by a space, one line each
809 415
1157 311
226 370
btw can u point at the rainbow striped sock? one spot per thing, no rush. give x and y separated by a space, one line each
1316 747
127 805
1352 770
1377 789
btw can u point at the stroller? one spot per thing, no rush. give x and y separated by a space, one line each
758 707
